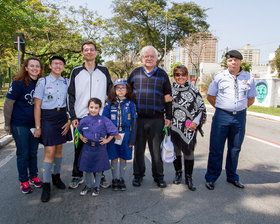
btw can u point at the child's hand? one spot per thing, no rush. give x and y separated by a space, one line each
104 141
118 137
84 139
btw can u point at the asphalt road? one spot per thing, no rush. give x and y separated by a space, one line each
259 168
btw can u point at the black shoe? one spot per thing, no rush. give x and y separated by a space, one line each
236 184
46 193
122 186
57 181
161 183
189 182
115 184
210 185
178 177
137 181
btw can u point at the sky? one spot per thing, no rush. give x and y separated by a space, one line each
235 23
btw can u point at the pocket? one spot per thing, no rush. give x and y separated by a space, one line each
243 91
223 88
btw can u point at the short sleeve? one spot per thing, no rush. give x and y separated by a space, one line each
110 127
213 88
15 91
40 88
252 92
81 125
106 110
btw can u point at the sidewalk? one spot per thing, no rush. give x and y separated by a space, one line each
6 139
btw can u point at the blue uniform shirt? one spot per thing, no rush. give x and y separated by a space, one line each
229 97
52 92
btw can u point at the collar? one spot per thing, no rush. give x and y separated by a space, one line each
150 73
84 67
53 79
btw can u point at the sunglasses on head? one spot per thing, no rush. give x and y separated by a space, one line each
177 74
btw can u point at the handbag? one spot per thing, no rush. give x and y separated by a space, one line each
167 147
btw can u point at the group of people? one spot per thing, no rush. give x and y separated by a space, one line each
110 119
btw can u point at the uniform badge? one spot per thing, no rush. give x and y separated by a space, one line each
128 117
113 116
50 97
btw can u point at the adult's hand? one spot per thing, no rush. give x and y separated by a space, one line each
167 123
75 123
193 126
37 133
65 128
168 98
8 129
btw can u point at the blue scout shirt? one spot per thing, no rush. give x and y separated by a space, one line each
23 111
52 92
232 95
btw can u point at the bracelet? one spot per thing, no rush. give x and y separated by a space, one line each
69 121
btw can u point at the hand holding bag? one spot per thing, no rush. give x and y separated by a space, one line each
167 148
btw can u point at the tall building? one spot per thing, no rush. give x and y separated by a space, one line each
250 55
191 55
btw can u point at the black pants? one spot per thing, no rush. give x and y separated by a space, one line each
148 130
76 172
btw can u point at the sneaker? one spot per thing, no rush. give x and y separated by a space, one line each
36 182
115 184
122 186
76 181
25 188
85 190
104 184
95 191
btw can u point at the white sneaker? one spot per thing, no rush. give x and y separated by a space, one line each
85 191
95 192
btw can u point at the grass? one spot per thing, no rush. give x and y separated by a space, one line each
258 109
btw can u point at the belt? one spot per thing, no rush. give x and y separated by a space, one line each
233 112
56 109
93 144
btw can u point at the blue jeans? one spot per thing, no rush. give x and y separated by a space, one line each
27 147
225 125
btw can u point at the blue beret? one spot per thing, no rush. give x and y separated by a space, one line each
55 57
234 54
120 82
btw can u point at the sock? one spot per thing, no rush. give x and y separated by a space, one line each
47 167
122 169
98 176
57 165
114 168
88 179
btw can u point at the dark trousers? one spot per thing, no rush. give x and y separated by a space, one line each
148 130
27 147
225 125
76 172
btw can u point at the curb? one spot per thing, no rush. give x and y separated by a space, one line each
5 140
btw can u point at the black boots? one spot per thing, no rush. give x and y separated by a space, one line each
46 193
178 167
57 181
188 174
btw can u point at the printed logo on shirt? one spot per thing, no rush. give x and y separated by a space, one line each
50 97
10 90
49 87
29 97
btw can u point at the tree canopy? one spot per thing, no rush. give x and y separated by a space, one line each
276 61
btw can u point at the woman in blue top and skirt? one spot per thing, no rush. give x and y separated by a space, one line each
51 121
19 119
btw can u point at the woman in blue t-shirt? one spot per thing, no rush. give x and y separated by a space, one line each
19 120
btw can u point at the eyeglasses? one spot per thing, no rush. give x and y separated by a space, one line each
89 49
149 56
180 74
120 88
58 63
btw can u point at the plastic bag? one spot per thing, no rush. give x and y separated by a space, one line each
167 148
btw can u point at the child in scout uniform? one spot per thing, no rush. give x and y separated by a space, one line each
51 122
95 131
122 112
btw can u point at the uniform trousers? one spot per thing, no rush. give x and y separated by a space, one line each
225 126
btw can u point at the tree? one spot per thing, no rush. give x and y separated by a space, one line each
137 23
276 61
172 68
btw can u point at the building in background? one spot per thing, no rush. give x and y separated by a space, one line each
250 55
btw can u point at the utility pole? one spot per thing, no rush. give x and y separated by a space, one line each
19 45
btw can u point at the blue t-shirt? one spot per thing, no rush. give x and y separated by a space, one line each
23 111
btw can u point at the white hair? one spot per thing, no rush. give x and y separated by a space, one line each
147 48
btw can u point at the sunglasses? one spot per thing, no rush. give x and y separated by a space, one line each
180 74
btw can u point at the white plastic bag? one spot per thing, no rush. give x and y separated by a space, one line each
167 149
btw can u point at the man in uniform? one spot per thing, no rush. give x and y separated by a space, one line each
231 92
86 81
